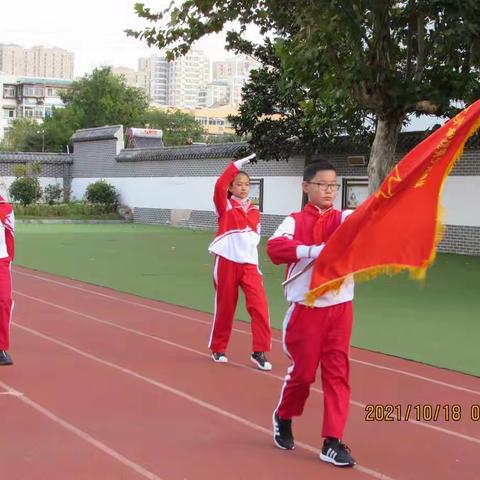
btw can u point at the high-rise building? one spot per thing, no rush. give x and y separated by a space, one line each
144 74
234 72
136 78
237 66
36 61
178 83
159 76
215 94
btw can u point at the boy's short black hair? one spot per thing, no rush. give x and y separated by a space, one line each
317 166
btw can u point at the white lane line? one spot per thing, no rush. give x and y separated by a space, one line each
83 435
208 406
243 332
12 393
192 350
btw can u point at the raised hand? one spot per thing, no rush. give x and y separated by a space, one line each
240 163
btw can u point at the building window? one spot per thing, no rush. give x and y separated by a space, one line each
31 91
8 91
29 112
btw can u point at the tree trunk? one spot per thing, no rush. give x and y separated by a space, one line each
382 155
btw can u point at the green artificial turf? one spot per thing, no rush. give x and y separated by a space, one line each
437 323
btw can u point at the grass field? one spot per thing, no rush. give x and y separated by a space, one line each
437 323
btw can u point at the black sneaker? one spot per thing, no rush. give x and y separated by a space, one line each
260 360
334 451
5 358
219 357
282 433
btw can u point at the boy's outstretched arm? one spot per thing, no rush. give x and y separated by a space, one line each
283 248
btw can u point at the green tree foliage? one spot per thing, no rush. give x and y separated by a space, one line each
58 129
384 58
25 190
101 192
23 135
103 98
273 113
177 126
53 193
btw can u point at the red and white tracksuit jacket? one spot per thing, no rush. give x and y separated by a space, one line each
7 250
313 336
236 265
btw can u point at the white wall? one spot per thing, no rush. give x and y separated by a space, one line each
193 193
5 183
281 195
461 200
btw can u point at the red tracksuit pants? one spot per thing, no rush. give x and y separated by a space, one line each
313 337
6 303
228 276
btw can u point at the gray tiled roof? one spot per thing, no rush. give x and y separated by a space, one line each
100 133
406 142
27 157
219 150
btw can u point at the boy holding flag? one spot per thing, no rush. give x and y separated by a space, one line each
319 334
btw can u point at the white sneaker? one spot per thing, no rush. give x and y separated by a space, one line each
260 360
218 357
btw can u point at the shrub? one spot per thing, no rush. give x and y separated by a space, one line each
67 210
53 193
101 192
25 190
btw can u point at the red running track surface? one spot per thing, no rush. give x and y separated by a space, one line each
107 385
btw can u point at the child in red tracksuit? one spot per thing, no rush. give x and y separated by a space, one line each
236 265
6 258
318 335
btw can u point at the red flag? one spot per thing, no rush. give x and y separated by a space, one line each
399 226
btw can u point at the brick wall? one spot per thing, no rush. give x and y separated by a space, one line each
54 165
461 239
198 219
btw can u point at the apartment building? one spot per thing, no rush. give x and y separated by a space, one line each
178 83
37 61
30 97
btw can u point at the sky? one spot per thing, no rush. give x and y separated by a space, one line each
92 29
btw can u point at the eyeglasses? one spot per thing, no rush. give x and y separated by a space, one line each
323 187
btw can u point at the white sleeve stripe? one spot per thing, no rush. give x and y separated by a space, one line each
285 229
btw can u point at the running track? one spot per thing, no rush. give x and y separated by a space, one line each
107 385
